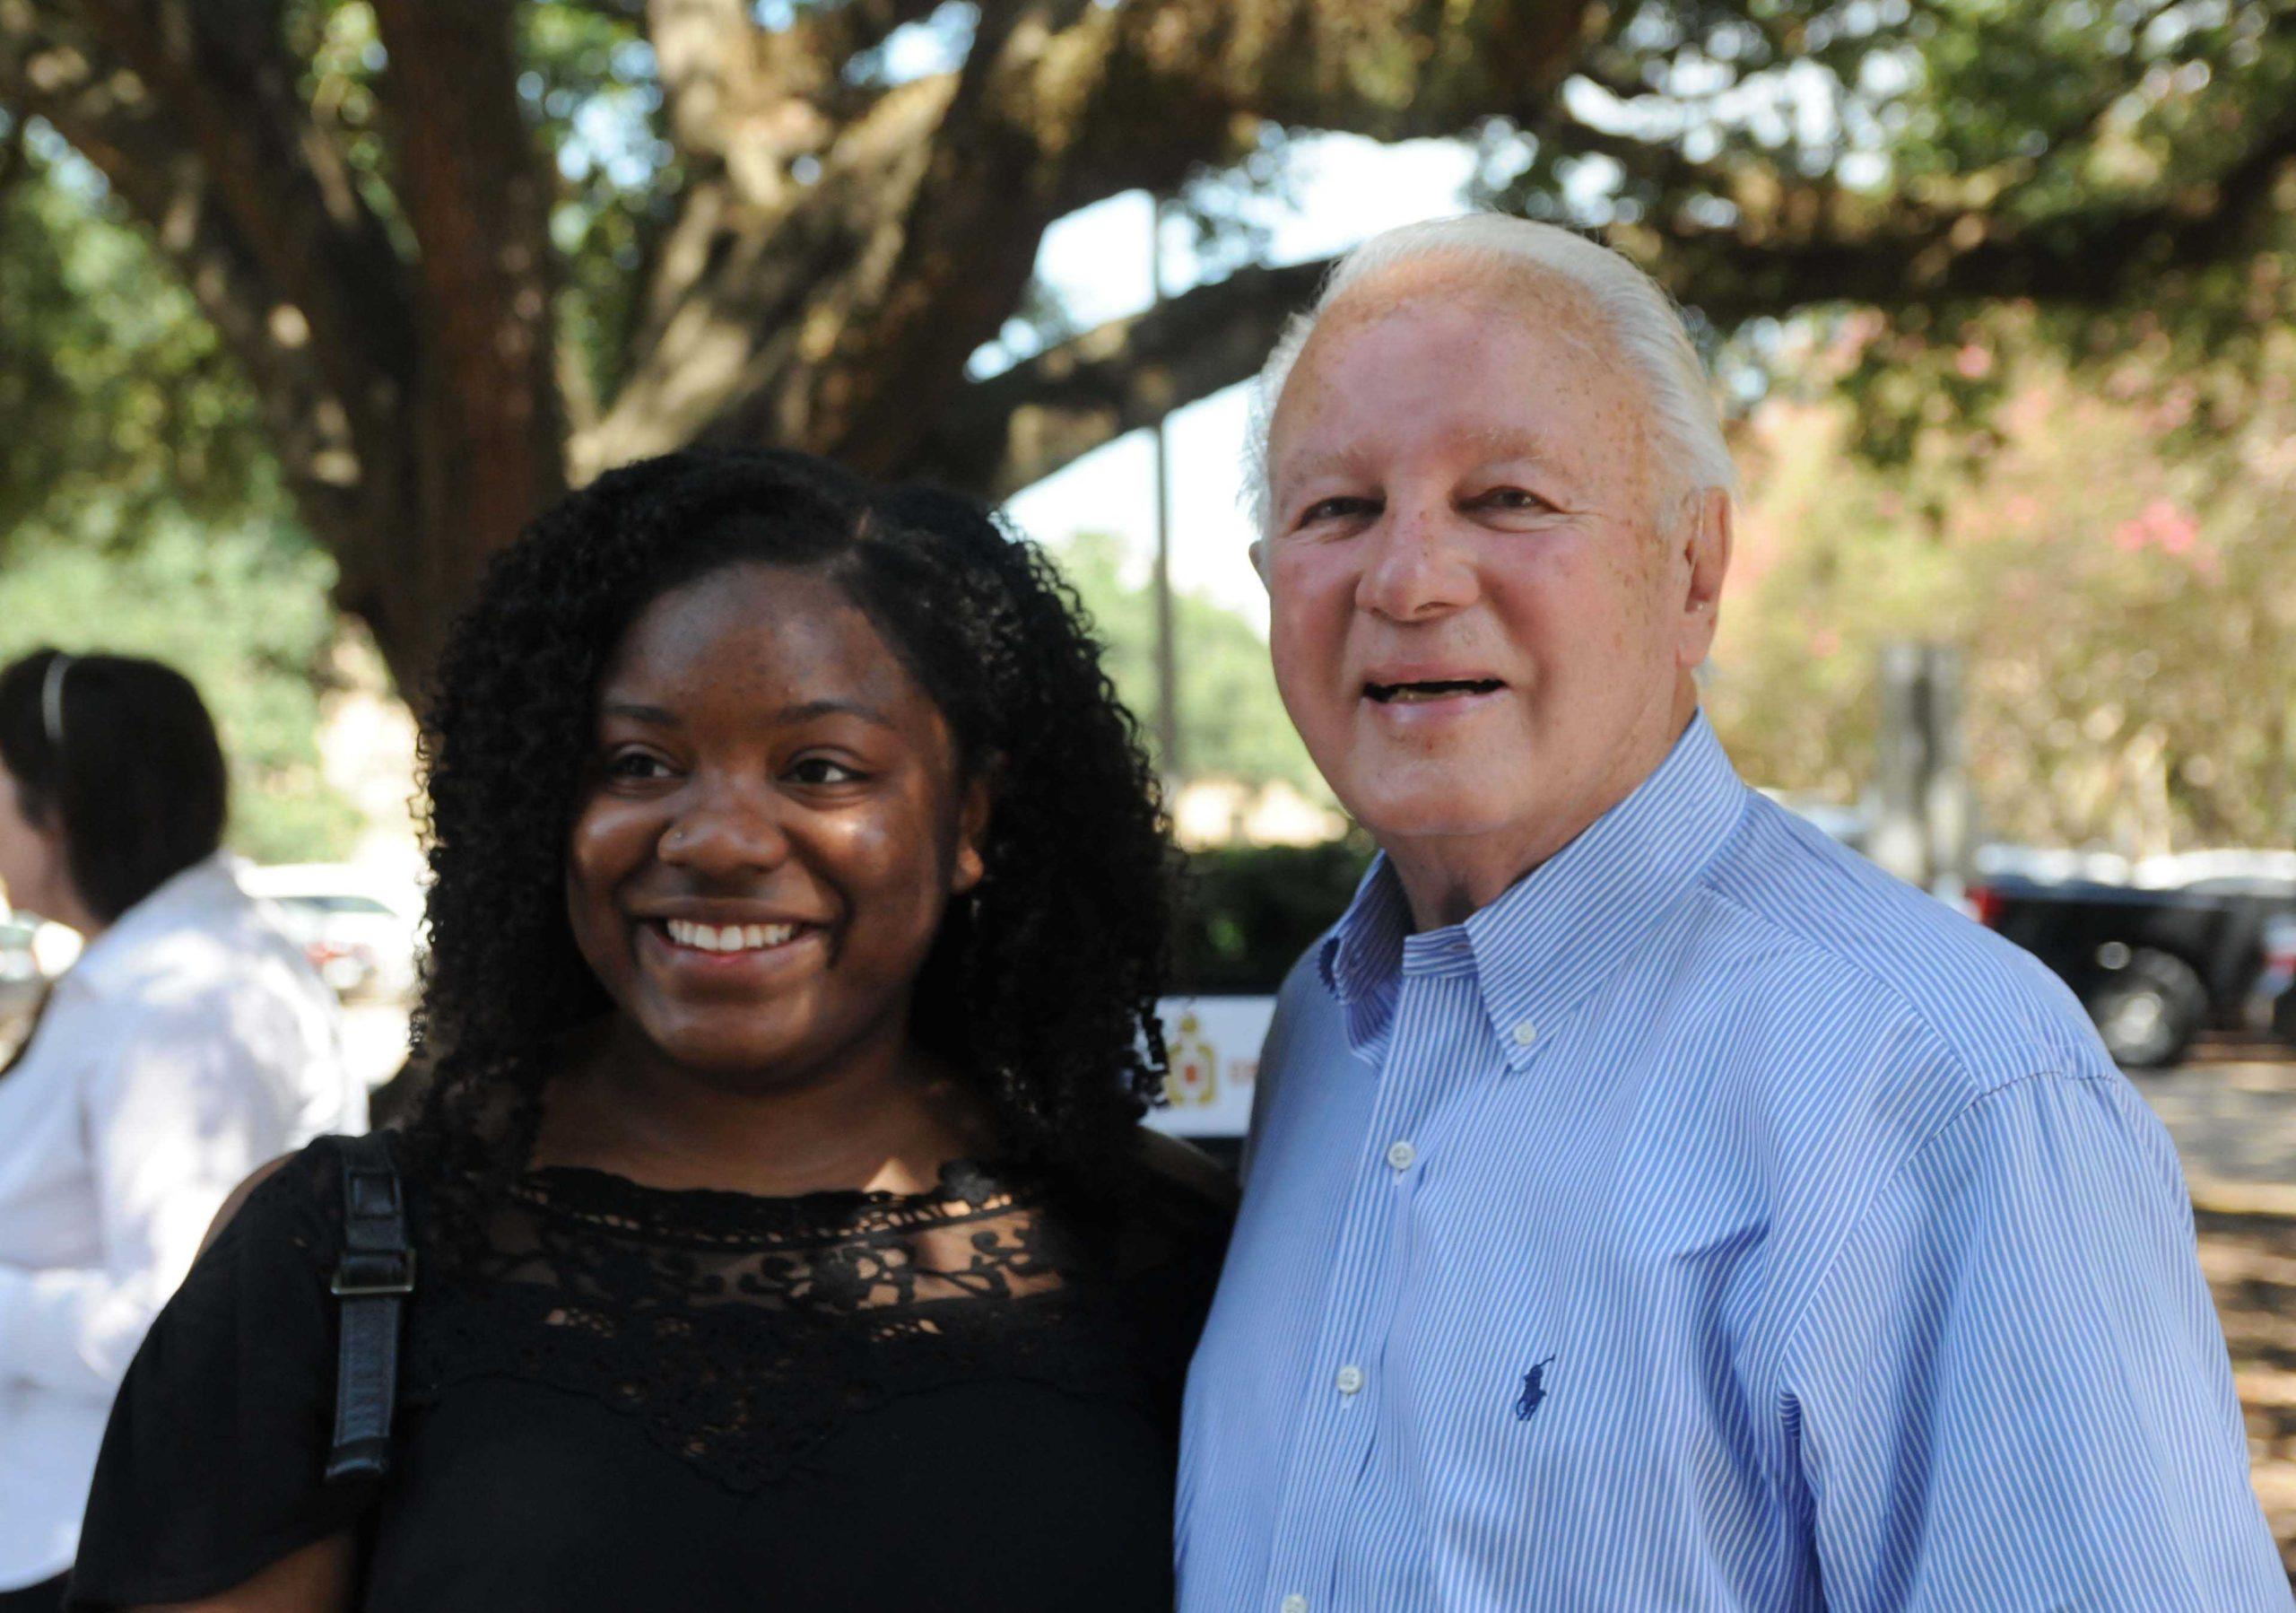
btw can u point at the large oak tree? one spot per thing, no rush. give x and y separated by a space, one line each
449 304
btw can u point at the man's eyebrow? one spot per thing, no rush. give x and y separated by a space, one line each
1331 461
1495 442
1505 443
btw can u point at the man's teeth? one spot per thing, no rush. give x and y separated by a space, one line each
730 938
1391 694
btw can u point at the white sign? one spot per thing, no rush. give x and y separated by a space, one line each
1214 1043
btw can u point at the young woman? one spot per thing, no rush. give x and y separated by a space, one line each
190 1043
784 1233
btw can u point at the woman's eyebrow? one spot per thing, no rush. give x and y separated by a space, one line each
636 712
807 711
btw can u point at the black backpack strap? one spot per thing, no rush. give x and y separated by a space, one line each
371 1283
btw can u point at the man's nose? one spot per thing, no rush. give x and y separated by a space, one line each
1418 566
726 829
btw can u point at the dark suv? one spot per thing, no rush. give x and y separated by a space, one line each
2154 967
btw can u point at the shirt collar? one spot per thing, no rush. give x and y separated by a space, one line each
196 895
1559 930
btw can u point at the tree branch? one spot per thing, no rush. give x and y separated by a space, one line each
1022 425
850 331
322 431
221 69
1911 257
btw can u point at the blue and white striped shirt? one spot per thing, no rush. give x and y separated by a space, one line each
1711 1222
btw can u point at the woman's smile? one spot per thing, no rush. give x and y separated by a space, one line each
753 956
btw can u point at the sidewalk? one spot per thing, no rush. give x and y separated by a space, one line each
2232 1111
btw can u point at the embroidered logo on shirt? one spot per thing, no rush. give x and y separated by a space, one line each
1534 1392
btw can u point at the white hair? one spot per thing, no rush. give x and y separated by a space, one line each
1644 327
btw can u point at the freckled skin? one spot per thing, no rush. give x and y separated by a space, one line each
1459 477
734 794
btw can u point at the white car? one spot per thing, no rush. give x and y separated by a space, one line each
362 931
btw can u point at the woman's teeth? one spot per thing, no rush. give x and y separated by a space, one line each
730 938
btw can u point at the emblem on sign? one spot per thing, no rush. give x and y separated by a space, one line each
1194 1075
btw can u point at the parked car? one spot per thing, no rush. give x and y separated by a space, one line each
2271 1000
362 932
2154 967
20 980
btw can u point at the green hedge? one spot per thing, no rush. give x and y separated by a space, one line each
1246 914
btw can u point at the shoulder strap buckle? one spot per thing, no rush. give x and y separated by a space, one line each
372 1279
372 1275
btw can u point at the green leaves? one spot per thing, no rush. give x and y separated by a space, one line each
242 611
1232 724
116 399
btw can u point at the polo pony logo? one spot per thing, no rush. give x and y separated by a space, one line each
1534 1390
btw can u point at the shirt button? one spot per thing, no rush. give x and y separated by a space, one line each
1295 1603
1526 1032
1350 1379
1401 1155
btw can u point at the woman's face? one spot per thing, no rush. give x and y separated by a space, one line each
770 828
31 858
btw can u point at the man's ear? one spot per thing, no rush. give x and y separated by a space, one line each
1705 536
971 865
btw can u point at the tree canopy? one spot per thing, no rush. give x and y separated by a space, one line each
460 254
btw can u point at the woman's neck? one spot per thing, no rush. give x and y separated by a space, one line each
887 1122
60 902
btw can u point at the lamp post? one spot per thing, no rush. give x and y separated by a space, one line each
1168 680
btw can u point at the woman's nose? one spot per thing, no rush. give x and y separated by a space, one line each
724 830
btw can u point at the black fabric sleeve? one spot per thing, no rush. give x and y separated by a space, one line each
211 1464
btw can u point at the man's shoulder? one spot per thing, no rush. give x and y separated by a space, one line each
1305 1002
1845 929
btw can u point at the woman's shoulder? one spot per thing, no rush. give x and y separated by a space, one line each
298 1196
1183 1175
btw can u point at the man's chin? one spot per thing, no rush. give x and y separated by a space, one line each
1433 812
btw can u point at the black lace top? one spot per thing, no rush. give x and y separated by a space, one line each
637 1398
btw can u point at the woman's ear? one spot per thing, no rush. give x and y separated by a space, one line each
972 863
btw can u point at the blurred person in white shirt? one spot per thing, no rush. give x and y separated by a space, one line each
190 1043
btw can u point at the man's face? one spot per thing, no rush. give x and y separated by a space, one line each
1479 625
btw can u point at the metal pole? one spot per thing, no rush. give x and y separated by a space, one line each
1900 837
1168 677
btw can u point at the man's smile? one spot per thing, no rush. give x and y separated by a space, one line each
1418 693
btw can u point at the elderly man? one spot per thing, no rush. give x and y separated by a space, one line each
1649 1204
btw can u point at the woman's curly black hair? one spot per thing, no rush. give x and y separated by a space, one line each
1042 990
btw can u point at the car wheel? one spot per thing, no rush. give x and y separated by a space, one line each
2148 1009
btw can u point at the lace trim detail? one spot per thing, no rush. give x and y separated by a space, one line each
615 1204
747 1399
741 1333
